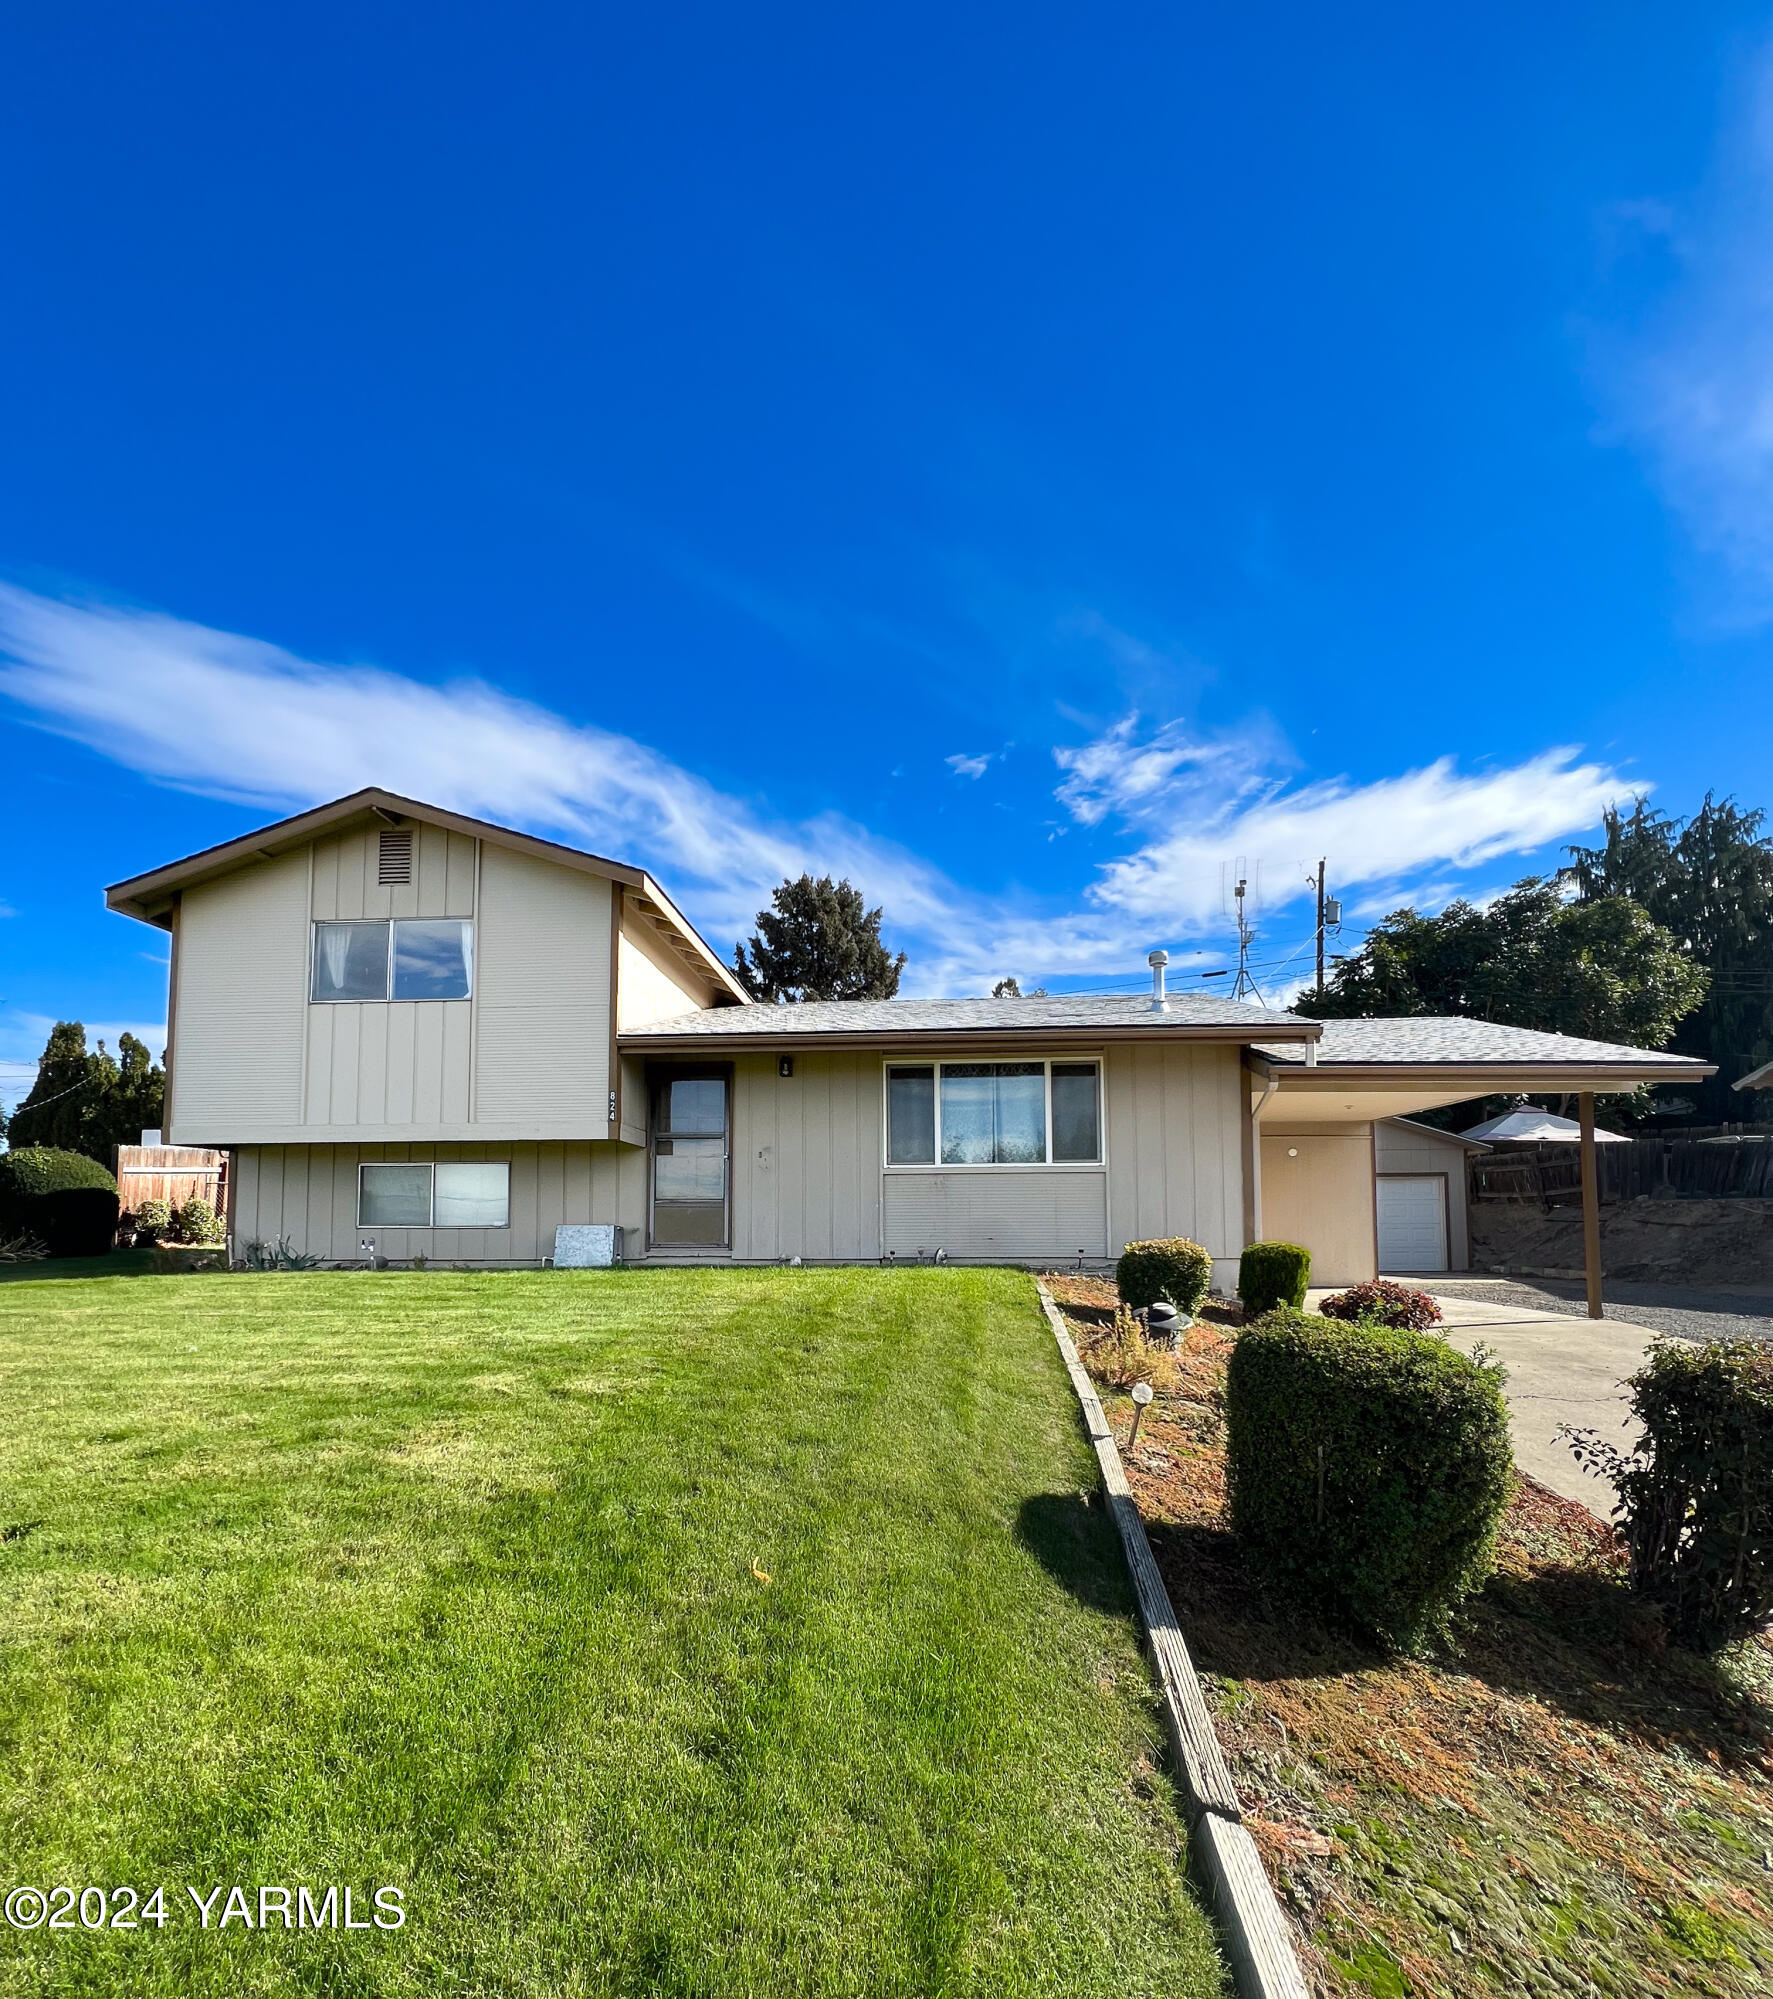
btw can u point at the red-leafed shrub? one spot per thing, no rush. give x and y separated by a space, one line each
1383 1303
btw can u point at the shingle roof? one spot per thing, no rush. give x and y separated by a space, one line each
1086 1012
1418 1039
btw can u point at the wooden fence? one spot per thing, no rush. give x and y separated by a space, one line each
171 1173
1675 1165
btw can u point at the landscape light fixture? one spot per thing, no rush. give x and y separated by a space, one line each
1141 1397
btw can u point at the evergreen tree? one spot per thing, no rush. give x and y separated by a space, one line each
817 943
89 1101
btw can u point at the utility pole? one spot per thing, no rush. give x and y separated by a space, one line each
1329 917
1320 928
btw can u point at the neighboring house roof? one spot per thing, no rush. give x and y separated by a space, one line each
1417 1129
150 897
1426 1041
1091 1016
1756 1079
1531 1127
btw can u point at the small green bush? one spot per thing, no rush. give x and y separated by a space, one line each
197 1222
1696 1496
1172 1268
65 1199
1270 1274
1368 1467
1383 1302
151 1222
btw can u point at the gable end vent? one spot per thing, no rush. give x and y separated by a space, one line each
394 862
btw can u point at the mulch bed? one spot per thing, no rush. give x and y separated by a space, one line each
1562 1804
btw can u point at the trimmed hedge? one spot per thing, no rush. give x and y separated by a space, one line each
1368 1469
1383 1302
1271 1274
1172 1268
1696 1497
151 1221
65 1199
197 1221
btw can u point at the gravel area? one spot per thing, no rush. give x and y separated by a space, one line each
1664 1308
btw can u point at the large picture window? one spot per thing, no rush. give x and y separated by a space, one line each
994 1113
411 958
450 1194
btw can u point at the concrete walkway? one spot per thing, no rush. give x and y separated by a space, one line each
1561 1369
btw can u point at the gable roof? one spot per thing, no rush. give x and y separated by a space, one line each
150 897
908 1022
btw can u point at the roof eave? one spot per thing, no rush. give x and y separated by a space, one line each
1321 1075
639 1041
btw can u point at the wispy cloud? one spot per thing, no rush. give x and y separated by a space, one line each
1692 384
965 765
1199 805
232 717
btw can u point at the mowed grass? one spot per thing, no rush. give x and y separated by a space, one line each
451 1582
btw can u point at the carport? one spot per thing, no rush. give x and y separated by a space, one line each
1314 1108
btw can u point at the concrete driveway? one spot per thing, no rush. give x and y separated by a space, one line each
1561 1369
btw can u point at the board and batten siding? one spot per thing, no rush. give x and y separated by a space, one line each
242 969
806 1157
1175 1148
308 1193
982 1214
1317 1190
542 998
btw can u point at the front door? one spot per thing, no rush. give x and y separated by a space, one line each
690 1150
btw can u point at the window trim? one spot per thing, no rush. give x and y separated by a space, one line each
1065 1059
386 998
453 1228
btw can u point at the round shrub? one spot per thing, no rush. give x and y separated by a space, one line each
1369 1467
1172 1268
151 1221
1381 1302
197 1221
69 1202
1271 1274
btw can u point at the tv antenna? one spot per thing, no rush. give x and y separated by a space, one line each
1244 898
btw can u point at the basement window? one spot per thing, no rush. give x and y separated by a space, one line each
420 958
966 1114
447 1194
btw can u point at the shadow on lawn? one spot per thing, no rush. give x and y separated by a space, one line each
120 1263
1077 1544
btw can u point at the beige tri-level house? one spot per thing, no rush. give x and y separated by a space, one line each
454 1038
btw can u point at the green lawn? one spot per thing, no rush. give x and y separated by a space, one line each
451 1582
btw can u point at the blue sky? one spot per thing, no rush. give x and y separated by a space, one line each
1027 459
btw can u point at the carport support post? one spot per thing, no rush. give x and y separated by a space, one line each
1591 1205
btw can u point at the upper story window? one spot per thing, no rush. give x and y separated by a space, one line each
994 1113
411 958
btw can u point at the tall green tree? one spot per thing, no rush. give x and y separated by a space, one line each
1603 969
1707 880
89 1101
817 942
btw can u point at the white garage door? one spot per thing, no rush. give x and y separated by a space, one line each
1412 1221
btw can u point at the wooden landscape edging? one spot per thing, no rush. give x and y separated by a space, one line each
1259 1942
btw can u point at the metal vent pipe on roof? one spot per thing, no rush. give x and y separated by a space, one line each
1157 961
